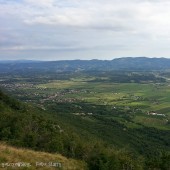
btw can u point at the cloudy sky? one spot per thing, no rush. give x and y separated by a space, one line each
77 29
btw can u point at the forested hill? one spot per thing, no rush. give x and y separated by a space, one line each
55 134
128 63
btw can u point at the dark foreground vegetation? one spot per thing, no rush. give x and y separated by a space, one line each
25 126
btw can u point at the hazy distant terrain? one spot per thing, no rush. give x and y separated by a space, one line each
139 63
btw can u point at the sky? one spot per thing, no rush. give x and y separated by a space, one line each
90 29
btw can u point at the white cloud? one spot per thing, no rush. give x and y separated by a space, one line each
137 16
40 3
45 24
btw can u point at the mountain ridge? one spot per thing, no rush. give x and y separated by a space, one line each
126 63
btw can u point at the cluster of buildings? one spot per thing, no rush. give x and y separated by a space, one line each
155 114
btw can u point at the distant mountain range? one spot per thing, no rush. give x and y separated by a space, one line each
128 63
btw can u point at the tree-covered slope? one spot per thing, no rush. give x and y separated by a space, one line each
26 126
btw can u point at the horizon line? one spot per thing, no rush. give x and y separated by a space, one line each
6 60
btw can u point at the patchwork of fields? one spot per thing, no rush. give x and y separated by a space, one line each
135 100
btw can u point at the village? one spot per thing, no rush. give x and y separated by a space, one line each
155 114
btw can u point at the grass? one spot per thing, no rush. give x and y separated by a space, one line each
10 154
58 84
156 121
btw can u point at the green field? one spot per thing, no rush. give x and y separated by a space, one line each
152 96
135 98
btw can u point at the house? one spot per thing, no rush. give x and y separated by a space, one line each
155 114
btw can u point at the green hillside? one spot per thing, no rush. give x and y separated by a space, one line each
100 142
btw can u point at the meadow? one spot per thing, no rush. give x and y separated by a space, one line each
139 98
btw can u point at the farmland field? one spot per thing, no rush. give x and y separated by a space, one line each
135 100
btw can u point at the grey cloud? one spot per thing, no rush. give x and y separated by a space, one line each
73 28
